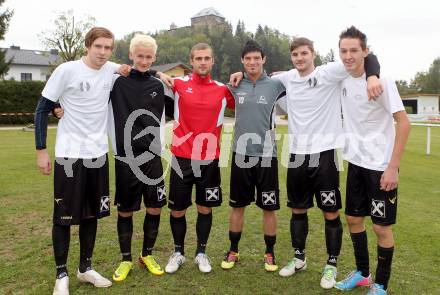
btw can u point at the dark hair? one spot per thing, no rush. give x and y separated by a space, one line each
353 33
301 41
201 46
95 33
252 46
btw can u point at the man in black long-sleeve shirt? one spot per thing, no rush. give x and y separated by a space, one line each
138 106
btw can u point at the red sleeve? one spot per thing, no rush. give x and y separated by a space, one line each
230 101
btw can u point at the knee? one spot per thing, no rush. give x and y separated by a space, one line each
382 231
299 211
125 214
178 214
238 211
203 209
331 215
154 211
269 213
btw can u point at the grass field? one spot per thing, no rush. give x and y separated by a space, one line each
27 265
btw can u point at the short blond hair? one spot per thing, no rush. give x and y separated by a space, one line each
143 40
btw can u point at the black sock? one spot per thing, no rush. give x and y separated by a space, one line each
178 228
61 241
270 243
125 232
333 239
203 228
151 228
360 246
299 229
87 236
383 270
234 237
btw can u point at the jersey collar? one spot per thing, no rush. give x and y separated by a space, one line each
201 80
139 75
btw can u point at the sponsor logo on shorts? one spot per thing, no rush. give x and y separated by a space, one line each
58 201
161 195
212 194
66 217
105 204
393 200
328 198
268 198
378 208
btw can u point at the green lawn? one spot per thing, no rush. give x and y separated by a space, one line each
27 265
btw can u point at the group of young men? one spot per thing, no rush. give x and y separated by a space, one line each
132 107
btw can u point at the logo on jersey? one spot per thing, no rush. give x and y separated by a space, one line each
344 92
161 195
153 94
312 82
58 201
241 99
268 198
328 198
189 90
212 194
105 204
262 100
378 208
84 86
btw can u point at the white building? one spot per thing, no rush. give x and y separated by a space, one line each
423 104
29 65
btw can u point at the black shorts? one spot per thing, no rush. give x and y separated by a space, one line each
365 198
131 186
260 173
204 174
81 189
315 174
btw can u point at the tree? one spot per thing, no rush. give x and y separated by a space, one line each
67 35
5 17
428 82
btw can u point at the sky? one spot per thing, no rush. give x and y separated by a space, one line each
405 35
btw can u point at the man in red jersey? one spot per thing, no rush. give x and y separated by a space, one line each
199 103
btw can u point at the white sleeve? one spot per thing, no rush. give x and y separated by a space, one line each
113 66
282 77
56 85
390 98
282 104
114 78
333 72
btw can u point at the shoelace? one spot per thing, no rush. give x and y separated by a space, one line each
123 268
175 258
153 262
292 263
203 259
329 273
231 257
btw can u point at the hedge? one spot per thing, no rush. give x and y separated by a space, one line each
19 97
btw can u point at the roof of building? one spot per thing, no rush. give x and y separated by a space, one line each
167 67
208 11
30 57
409 96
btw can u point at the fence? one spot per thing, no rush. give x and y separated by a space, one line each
428 134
